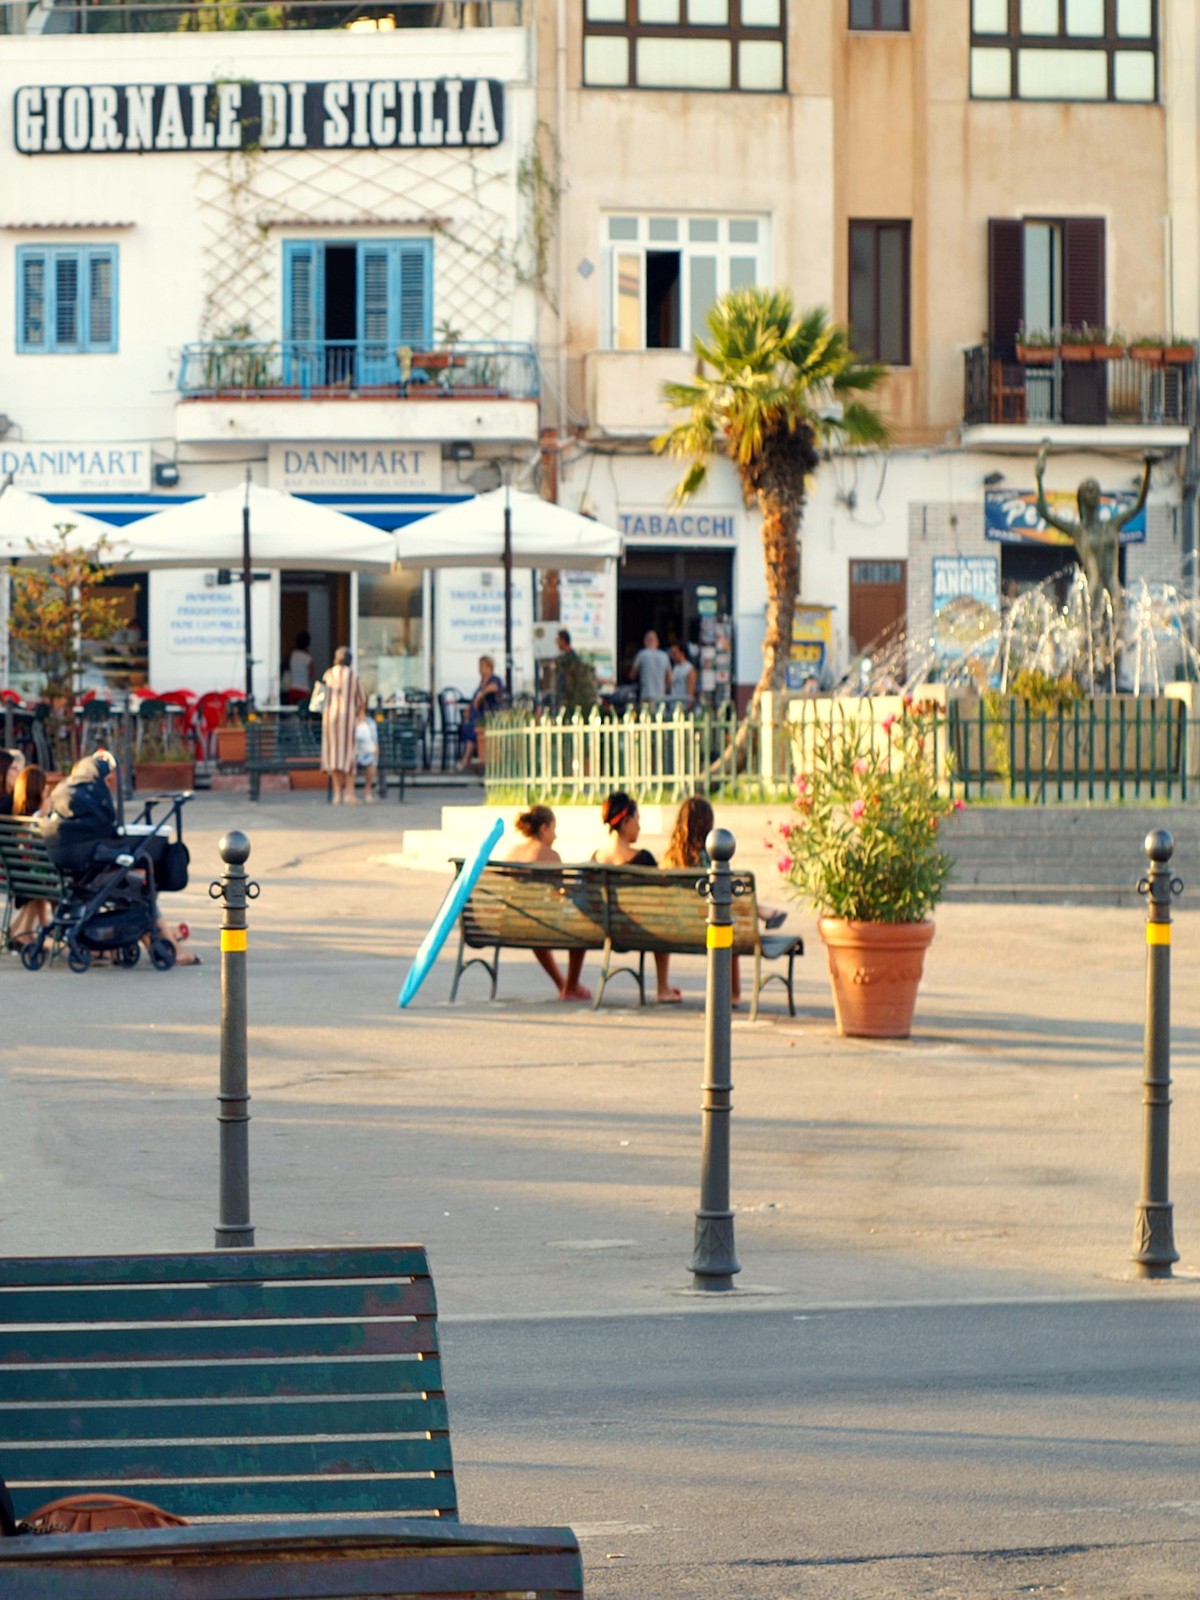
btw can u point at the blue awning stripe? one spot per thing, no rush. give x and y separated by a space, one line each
385 511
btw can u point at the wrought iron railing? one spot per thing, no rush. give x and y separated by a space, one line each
1117 389
1118 748
250 369
232 16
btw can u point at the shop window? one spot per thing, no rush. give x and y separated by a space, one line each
1064 50
879 16
666 272
67 299
879 291
684 44
350 307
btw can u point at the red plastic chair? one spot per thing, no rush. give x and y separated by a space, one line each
186 700
210 714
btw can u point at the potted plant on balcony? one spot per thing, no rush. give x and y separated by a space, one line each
1147 348
1110 344
1179 353
1036 347
1078 344
862 847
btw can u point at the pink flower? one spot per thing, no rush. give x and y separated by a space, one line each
888 724
857 809
783 865
960 805
785 830
862 765
801 784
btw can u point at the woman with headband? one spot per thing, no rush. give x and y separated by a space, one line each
620 814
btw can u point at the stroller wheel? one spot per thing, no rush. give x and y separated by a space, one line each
129 955
79 960
162 954
33 955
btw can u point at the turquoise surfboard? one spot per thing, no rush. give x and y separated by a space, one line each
447 916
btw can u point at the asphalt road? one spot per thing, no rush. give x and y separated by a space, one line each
735 1454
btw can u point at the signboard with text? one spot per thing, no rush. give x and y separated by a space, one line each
966 604
77 468
355 468
1010 516
653 525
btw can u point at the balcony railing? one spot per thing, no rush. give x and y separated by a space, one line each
330 369
1094 392
235 16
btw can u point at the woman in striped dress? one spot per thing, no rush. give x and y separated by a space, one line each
345 703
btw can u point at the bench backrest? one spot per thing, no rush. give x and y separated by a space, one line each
227 1383
531 907
275 740
651 908
27 869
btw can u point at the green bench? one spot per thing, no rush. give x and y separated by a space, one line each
616 910
302 1386
285 744
25 868
397 750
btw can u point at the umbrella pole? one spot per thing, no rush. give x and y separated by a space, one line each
508 598
247 598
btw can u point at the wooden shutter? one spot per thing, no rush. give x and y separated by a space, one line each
1083 272
1006 284
32 327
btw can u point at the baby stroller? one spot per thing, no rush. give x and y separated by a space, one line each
113 871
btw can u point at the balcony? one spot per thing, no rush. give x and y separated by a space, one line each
238 16
624 390
355 389
1086 398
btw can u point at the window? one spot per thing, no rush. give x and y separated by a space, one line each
665 273
1064 50
349 307
684 44
879 291
879 16
67 299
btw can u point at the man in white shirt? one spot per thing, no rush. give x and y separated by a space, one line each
300 666
652 669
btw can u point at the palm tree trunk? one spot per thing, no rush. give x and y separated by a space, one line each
781 551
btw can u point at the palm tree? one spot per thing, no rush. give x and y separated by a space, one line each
772 389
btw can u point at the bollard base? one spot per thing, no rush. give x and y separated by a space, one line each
234 1237
713 1262
1154 1240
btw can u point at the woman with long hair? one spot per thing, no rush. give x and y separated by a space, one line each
620 816
29 799
345 706
538 830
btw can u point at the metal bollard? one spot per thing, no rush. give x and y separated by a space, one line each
1153 1228
234 1228
713 1262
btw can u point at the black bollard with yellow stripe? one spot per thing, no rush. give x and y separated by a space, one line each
234 1228
713 1261
1153 1228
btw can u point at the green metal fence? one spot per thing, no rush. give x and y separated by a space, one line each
1108 749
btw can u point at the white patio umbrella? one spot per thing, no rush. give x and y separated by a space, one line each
27 519
509 529
250 527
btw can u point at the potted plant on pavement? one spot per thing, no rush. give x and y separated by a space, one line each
164 761
863 847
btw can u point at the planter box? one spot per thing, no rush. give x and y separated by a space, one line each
309 780
1107 352
1179 355
1077 352
1150 355
231 746
153 776
1036 355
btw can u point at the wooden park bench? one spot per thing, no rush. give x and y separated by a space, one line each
285 744
617 910
25 868
298 1388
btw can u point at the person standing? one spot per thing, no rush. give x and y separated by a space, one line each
652 669
345 706
300 670
683 680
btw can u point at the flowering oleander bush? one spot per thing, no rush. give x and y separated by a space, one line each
862 842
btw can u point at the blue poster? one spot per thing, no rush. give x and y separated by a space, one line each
1010 515
966 605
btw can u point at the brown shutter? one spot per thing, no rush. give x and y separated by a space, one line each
1083 272
1006 284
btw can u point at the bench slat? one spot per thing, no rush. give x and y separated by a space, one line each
259 1497
361 1261
217 1302
232 1379
222 1342
223 1420
227 1458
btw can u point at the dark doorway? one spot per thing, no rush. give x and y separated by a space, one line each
662 300
341 312
659 589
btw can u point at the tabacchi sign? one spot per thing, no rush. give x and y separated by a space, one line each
372 114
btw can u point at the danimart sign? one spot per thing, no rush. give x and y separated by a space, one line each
345 113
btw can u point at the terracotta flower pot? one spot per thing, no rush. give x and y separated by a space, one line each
876 968
1076 352
1036 355
151 777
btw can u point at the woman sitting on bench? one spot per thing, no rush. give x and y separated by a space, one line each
538 829
620 814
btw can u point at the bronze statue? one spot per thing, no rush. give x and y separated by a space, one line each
1097 540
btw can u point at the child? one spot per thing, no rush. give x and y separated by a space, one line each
366 755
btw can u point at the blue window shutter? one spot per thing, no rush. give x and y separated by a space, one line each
31 300
377 321
416 300
67 333
101 333
303 312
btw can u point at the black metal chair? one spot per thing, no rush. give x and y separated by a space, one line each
450 717
420 703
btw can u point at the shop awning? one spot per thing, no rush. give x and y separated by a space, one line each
27 519
285 531
472 533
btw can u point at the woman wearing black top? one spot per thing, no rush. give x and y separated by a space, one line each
620 814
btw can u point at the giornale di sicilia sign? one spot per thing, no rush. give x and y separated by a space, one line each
344 113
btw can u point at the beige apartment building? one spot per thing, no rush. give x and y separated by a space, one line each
951 177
